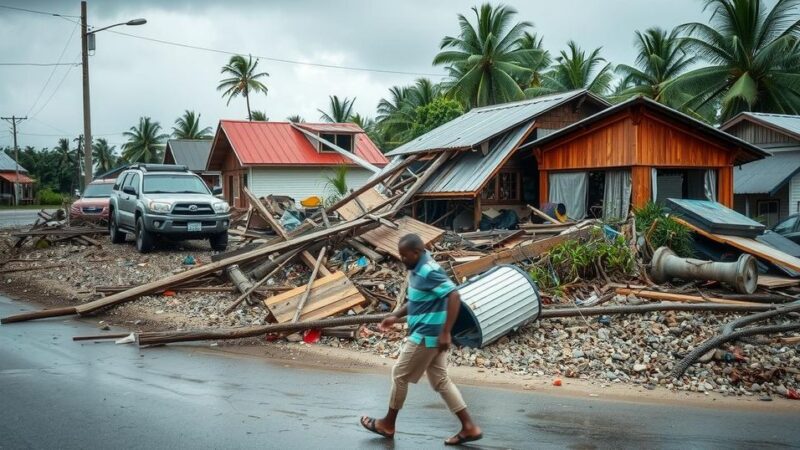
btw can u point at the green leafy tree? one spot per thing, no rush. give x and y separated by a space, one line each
486 60
187 126
537 65
67 165
337 182
661 57
753 56
397 115
575 69
295 118
145 142
103 156
243 79
434 114
339 110
369 125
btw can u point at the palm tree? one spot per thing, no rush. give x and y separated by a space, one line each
145 142
398 114
336 184
661 58
753 54
103 155
243 80
575 69
339 111
537 65
66 164
259 116
486 60
295 118
187 126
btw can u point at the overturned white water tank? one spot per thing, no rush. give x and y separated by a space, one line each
493 304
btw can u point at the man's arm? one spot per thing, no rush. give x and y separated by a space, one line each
453 305
387 323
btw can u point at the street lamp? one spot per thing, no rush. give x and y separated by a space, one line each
87 116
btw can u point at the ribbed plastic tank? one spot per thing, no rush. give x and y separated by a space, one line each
493 304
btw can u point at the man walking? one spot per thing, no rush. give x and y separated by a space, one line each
432 308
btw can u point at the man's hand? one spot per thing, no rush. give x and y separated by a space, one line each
444 341
387 323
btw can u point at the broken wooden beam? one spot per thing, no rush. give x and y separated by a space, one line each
328 296
164 283
656 295
302 303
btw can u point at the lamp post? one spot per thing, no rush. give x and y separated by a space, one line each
87 116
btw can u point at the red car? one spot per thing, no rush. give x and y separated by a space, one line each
93 204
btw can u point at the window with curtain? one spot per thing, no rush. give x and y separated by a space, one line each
571 189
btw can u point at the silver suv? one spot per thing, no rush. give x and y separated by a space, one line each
160 200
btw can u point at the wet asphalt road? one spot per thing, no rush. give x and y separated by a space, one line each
56 393
18 217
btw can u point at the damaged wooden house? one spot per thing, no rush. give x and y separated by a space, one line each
768 190
287 159
571 149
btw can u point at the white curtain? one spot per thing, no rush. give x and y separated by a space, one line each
654 184
571 189
710 184
617 194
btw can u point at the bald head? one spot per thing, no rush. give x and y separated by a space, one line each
410 248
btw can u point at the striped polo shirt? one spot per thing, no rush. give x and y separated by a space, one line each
428 287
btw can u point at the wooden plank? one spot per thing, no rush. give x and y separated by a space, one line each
750 246
421 180
328 296
775 282
517 254
368 200
304 298
655 295
385 239
262 211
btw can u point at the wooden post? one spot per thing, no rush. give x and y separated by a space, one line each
477 212
641 183
302 303
544 187
725 186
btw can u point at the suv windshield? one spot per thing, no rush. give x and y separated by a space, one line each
174 184
100 190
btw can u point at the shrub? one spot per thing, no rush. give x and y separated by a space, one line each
48 197
661 230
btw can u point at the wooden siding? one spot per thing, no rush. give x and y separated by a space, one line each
608 144
567 114
666 145
759 134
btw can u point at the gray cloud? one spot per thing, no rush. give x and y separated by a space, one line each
132 77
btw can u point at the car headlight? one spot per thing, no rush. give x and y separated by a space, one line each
221 207
161 207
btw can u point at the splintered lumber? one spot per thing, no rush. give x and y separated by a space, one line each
328 296
656 295
302 303
30 268
361 204
281 261
552 313
543 215
364 250
513 255
173 280
421 180
775 282
167 337
385 238
748 245
262 211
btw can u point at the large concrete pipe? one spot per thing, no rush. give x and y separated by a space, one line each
742 275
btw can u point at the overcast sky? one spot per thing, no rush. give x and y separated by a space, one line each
133 77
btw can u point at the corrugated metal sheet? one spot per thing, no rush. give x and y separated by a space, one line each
767 175
299 182
277 143
788 123
14 178
794 195
495 303
467 171
7 163
481 124
192 153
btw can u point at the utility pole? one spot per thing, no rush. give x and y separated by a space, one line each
14 120
87 115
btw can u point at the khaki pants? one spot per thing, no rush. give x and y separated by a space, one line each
413 361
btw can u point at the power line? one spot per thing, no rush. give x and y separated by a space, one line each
44 13
52 72
58 86
279 60
38 64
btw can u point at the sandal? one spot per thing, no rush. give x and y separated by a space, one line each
369 424
461 439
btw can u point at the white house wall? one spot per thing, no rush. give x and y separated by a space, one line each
299 182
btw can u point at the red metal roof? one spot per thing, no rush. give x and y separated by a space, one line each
331 127
14 178
278 143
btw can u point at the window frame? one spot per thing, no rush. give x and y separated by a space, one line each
323 148
494 183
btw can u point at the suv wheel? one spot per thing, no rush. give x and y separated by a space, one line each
117 236
219 242
144 239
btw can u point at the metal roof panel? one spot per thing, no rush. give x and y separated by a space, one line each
7 163
767 175
192 153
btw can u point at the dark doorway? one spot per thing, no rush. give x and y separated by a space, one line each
597 186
